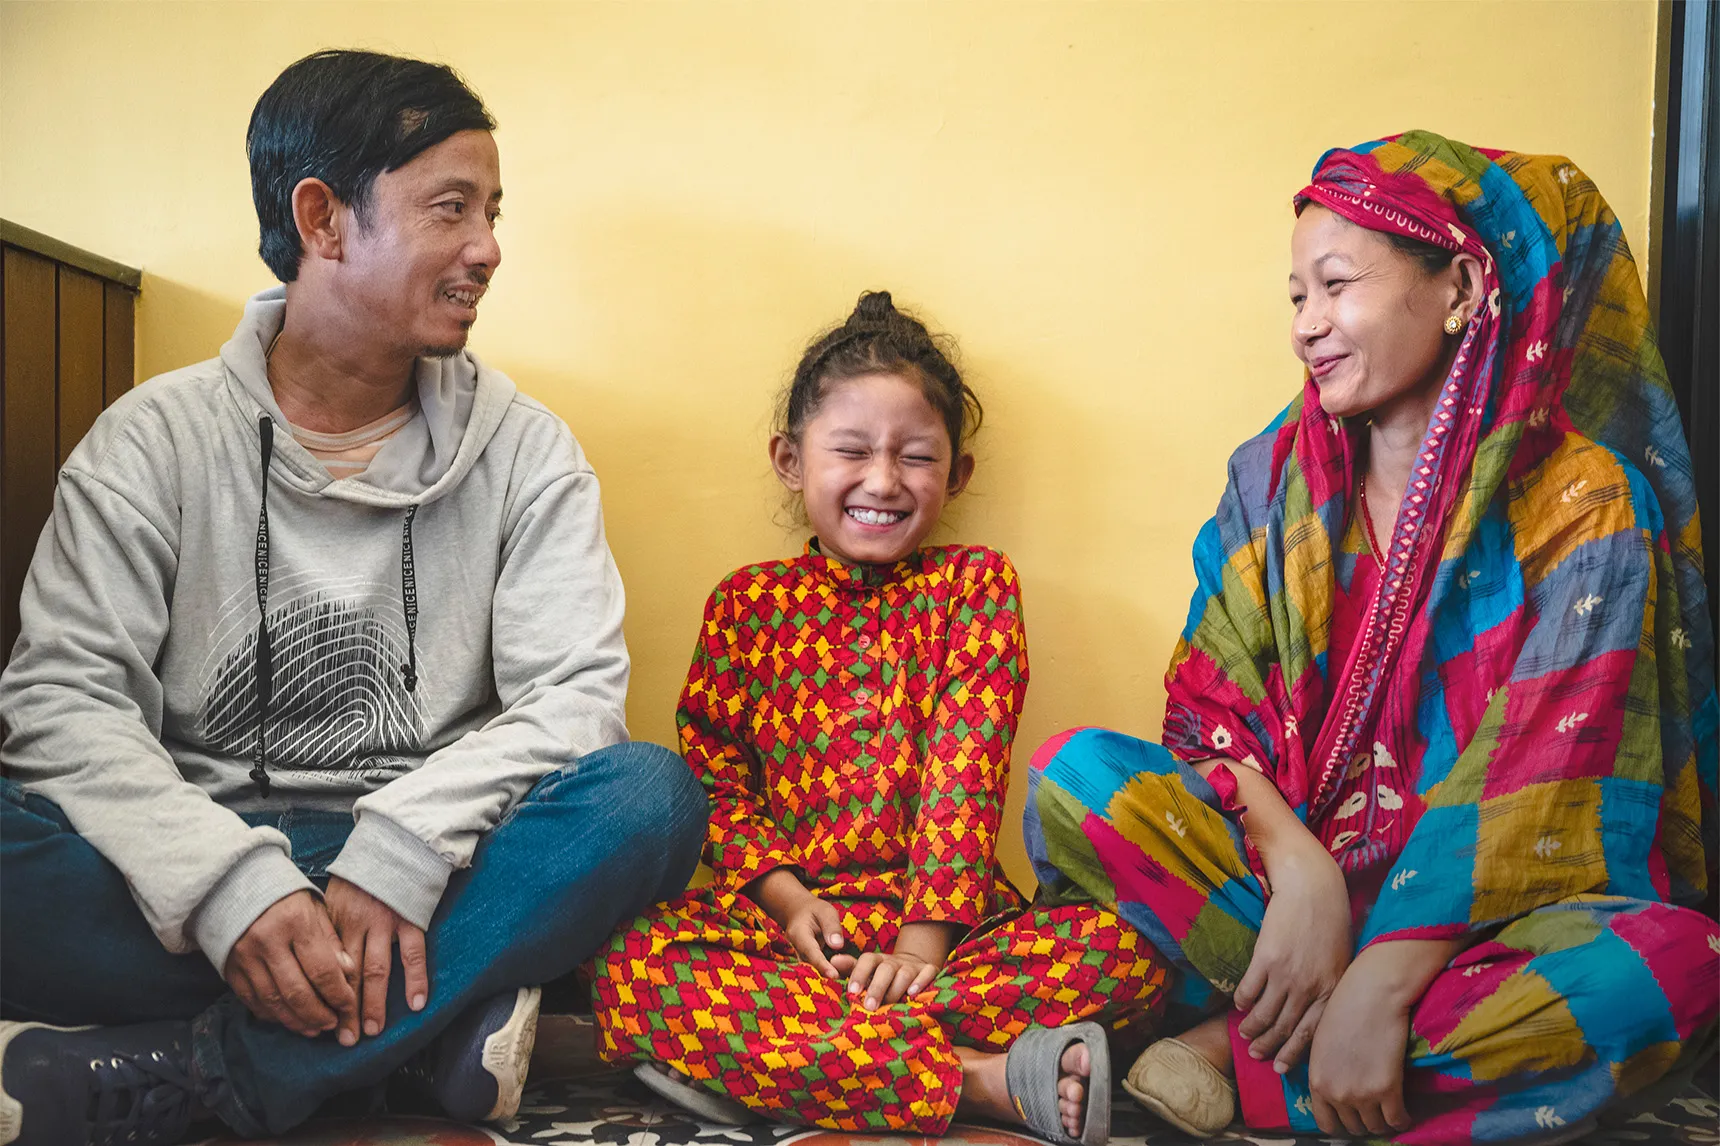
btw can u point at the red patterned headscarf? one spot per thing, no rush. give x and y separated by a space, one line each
1491 665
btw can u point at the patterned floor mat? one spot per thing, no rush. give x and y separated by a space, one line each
575 1102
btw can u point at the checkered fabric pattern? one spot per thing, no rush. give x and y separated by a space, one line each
1577 1009
712 986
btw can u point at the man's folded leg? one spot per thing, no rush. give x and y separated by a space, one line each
588 847
74 948
76 951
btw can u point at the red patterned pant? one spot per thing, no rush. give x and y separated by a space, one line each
710 985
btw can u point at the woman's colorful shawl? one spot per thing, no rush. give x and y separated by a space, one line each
1538 657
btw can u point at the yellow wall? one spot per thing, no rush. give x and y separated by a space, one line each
1093 197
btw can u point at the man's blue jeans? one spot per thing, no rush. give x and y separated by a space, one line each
588 847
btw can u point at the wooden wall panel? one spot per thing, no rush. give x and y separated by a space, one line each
67 340
31 420
82 313
119 342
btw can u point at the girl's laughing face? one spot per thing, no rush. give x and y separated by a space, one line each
874 466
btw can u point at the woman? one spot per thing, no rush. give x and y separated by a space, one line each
1440 746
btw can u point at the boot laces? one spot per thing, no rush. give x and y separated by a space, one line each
139 1099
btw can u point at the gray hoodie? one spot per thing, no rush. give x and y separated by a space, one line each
442 631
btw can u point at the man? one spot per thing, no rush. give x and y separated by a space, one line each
316 756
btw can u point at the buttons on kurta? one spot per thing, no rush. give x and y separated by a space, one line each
868 610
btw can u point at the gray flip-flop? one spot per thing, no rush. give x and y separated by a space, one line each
1034 1065
667 1082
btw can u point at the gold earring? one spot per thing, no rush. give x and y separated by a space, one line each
1453 324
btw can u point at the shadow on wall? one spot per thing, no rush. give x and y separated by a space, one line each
179 324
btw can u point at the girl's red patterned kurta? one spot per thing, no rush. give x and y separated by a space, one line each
855 722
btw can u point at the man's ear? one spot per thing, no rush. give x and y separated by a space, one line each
320 218
961 472
785 460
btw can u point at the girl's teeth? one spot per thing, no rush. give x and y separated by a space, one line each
875 517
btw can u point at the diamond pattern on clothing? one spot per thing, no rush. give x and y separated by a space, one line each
712 986
855 722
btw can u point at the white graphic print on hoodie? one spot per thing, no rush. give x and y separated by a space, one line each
443 631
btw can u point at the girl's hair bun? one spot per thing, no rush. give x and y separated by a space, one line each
879 339
874 308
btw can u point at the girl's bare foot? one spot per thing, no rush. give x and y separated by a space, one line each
1211 1040
985 1088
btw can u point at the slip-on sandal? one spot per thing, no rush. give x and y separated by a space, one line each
1031 1071
667 1082
1172 1080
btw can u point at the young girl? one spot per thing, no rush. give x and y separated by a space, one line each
860 962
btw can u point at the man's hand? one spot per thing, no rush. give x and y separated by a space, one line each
810 923
369 930
289 968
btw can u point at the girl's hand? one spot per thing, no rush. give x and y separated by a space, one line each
810 923
1303 948
1355 1073
921 949
890 978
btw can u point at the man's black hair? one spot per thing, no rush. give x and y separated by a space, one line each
346 117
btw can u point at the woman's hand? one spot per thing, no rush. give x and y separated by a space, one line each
811 924
1355 1073
1304 941
1300 955
920 951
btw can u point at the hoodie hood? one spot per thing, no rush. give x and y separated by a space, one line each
461 403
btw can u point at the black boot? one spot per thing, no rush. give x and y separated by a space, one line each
96 1086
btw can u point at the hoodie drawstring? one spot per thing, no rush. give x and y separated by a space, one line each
265 657
265 675
409 600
